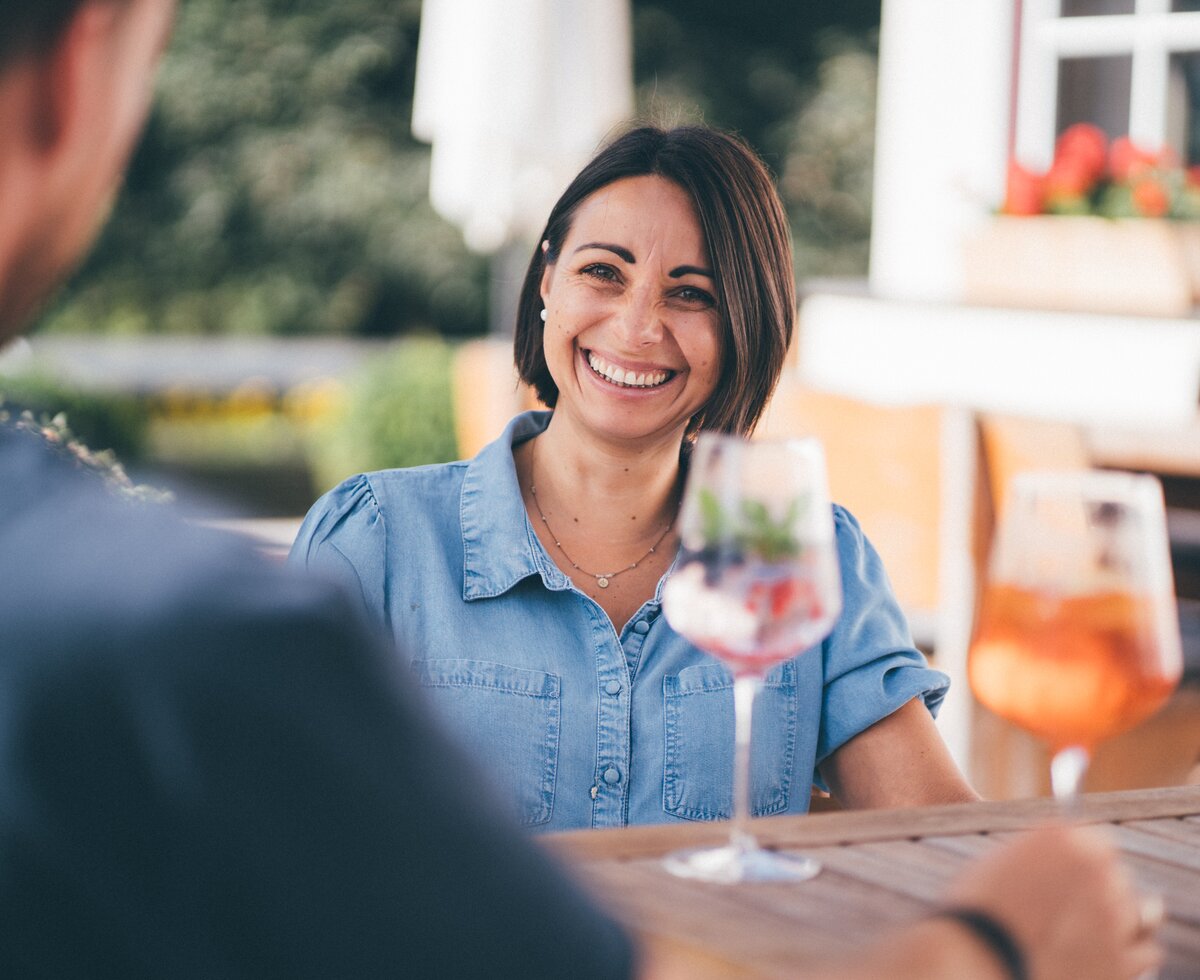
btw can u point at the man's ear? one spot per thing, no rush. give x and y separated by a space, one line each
70 79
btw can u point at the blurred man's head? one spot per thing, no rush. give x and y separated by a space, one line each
75 82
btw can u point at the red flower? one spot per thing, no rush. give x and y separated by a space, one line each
1069 177
1118 180
1025 192
1125 160
1082 150
1150 198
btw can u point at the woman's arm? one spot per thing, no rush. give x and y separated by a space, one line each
899 761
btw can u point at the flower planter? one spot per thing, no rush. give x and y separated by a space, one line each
1138 266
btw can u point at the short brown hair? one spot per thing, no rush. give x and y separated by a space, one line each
749 246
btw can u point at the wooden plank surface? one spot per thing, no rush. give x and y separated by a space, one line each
880 870
847 827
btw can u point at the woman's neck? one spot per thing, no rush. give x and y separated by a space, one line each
633 485
604 511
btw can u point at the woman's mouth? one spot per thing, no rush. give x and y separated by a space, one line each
627 378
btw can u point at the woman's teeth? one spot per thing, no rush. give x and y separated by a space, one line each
627 379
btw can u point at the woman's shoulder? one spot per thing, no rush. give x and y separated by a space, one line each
845 524
392 489
355 514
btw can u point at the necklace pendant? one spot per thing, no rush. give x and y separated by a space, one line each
602 581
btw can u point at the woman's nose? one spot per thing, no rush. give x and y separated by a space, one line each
639 322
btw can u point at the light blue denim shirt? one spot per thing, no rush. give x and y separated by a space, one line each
579 724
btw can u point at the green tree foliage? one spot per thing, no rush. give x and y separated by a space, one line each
796 80
278 188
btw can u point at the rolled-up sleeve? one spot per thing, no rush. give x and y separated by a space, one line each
871 666
344 538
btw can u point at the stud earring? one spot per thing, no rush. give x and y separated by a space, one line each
543 314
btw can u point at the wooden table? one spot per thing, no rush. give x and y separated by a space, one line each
881 869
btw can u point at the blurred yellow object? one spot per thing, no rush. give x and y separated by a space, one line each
310 401
252 398
487 393
1013 444
885 466
1142 266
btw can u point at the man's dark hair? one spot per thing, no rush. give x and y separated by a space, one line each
749 245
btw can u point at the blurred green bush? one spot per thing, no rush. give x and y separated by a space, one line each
115 421
398 411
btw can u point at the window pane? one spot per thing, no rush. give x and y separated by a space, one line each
1095 90
1097 8
1183 103
1185 6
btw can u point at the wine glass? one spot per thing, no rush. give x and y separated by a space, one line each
757 582
1078 636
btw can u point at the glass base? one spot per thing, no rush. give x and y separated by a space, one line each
732 863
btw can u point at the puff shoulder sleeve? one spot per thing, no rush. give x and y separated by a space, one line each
344 538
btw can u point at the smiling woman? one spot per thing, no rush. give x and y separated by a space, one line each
630 306
746 268
525 584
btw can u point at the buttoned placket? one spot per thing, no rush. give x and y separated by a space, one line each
617 659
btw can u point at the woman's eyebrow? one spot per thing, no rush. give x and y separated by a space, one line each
622 252
690 270
619 250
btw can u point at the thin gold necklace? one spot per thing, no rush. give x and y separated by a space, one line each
602 578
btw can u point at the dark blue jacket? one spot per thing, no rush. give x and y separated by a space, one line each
208 768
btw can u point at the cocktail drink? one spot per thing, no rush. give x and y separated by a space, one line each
757 582
1078 637
750 613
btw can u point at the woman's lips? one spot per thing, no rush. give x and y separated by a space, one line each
627 377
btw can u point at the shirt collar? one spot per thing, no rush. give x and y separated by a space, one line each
500 547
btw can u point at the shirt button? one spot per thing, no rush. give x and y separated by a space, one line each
641 626
612 687
612 775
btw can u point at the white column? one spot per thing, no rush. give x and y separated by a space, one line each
1037 86
1149 85
941 139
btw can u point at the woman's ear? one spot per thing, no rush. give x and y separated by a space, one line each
547 271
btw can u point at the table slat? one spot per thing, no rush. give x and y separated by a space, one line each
881 870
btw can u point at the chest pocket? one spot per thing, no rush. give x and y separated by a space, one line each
698 761
507 718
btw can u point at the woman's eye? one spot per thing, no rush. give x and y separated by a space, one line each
697 296
598 270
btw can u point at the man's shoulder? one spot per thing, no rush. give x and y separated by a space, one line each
83 564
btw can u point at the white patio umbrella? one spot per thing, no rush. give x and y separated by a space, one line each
515 96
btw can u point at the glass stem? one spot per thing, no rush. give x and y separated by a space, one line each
745 690
1066 777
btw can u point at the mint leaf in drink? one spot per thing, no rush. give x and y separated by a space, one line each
766 538
712 517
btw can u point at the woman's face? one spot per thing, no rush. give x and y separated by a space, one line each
632 337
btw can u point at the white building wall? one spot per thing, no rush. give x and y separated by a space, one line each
945 70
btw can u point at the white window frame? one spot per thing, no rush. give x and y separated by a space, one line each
1150 36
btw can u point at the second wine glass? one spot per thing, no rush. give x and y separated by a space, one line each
1078 635
757 582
